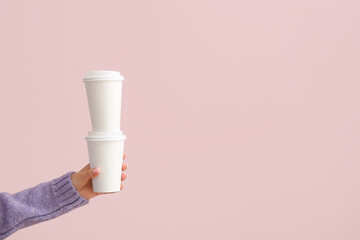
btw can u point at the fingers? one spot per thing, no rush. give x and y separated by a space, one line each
123 176
124 166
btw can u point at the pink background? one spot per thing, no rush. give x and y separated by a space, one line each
242 117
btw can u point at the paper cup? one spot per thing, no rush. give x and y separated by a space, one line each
103 90
106 151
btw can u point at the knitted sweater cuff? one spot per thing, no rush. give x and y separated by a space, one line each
66 196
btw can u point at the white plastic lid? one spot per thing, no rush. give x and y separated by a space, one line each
100 75
105 136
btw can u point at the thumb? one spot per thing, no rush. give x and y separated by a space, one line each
89 174
94 172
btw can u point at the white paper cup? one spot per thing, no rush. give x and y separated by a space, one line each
106 151
103 90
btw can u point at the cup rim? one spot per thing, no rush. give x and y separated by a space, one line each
102 75
105 136
103 79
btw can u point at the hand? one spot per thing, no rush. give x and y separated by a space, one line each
83 184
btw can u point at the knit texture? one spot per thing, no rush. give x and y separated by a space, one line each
43 202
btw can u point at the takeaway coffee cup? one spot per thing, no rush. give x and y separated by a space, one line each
103 90
106 151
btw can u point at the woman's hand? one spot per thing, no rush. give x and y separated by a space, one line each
83 184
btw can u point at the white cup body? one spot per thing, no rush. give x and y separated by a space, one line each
108 156
104 99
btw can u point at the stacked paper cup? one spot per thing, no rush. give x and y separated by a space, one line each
106 141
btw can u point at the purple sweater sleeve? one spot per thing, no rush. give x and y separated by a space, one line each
43 202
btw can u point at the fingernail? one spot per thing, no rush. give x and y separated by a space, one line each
95 170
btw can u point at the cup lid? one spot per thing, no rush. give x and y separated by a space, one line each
101 75
105 136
